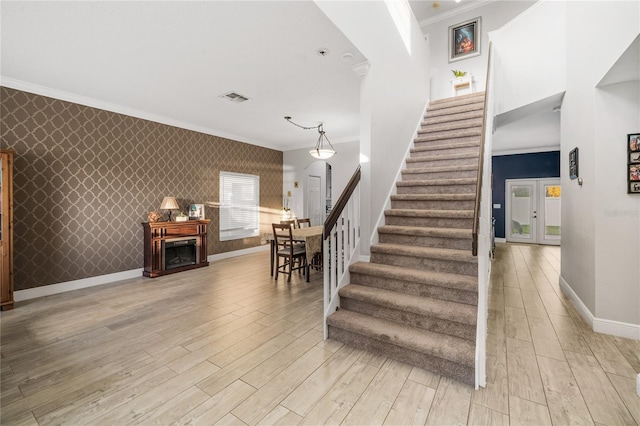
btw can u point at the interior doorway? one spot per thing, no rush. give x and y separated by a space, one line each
314 200
533 211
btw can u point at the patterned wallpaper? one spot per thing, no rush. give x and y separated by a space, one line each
85 178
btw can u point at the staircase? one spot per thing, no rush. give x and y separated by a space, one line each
416 301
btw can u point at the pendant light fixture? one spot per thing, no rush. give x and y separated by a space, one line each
321 151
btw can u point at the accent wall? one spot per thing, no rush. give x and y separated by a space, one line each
85 179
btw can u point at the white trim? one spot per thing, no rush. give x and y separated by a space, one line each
48 290
364 258
236 253
500 240
132 112
600 325
533 150
454 12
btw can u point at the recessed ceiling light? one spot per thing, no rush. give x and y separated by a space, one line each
322 51
347 56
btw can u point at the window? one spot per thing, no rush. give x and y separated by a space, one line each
239 206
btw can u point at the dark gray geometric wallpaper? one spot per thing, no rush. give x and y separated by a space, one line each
85 179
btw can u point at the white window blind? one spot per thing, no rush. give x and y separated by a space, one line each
239 206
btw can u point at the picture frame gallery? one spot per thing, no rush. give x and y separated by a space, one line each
633 163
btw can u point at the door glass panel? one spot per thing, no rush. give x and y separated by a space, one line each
552 196
521 208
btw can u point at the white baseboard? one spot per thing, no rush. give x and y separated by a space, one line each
500 240
600 325
236 253
364 258
48 290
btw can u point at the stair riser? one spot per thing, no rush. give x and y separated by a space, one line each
421 163
447 368
470 150
425 175
445 118
418 289
418 241
437 325
449 126
436 189
418 142
453 110
458 102
430 222
433 205
438 265
426 136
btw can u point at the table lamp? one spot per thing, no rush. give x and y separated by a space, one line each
169 203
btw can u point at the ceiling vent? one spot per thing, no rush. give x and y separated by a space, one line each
234 97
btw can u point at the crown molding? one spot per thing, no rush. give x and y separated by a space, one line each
120 109
455 12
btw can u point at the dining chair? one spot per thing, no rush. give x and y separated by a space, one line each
306 222
286 248
290 222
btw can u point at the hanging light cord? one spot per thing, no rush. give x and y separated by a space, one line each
320 144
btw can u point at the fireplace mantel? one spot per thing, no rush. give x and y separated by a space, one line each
155 233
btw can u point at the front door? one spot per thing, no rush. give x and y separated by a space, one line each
533 211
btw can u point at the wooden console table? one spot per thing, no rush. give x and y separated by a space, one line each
156 234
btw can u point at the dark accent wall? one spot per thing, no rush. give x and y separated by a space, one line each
85 179
519 166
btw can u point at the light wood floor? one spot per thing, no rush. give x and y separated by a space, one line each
229 345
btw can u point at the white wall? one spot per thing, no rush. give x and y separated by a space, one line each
297 164
393 95
530 65
494 16
593 121
617 215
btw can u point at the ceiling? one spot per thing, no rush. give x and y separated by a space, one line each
171 61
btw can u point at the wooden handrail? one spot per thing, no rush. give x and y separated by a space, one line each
332 219
476 209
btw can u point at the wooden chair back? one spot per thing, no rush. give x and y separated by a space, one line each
302 223
290 222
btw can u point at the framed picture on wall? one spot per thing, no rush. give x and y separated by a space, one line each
573 163
464 40
633 163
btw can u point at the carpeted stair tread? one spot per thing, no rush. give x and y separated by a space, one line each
440 279
433 197
440 169
453 110
464 143
441 157
425 232
425 135
426 252
456 101
449 125
445 137
458 350
451 117
438 182
441 309
465 214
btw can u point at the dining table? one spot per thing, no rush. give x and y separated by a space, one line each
312 238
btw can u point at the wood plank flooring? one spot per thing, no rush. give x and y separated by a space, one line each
228 345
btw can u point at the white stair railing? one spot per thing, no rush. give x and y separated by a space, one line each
341 243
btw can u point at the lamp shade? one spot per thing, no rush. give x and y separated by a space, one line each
322 154
169 203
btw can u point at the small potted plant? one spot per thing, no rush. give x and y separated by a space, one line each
459 74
